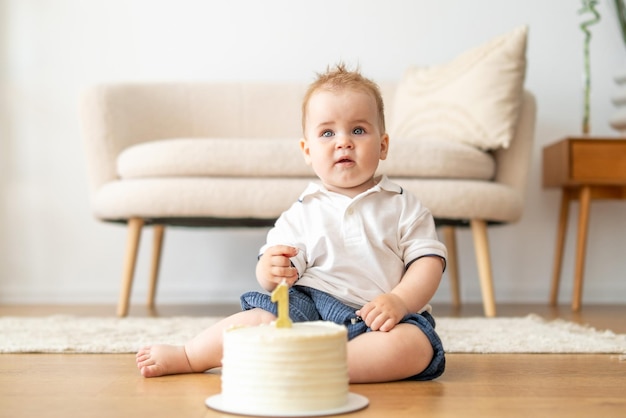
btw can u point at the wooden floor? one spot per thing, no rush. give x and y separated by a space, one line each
552 385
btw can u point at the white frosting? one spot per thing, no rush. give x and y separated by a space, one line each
299 369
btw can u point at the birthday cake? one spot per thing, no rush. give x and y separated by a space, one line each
280 370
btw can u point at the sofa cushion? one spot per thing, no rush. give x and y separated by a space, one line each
437 158
473 99
206 157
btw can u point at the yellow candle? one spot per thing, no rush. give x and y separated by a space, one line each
280 295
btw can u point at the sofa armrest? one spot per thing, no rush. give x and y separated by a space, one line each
101 145
513 163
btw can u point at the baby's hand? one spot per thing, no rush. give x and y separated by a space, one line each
275 266
384 312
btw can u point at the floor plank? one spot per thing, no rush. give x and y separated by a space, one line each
474 385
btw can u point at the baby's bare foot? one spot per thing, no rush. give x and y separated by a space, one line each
160 360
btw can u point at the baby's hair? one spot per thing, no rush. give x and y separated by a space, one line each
339 78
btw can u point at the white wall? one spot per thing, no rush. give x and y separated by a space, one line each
51 249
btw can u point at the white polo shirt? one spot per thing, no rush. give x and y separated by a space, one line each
356 248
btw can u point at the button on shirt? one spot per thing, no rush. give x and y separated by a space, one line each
356 248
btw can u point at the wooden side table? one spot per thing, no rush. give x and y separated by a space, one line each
585 168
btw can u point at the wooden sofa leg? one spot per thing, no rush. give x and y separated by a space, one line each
481 246
157 246
132 245
449 238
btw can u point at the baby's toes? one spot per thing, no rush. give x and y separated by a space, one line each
152 370
143 354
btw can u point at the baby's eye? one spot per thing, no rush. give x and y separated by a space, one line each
358 131
327 134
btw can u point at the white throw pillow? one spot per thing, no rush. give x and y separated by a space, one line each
474 99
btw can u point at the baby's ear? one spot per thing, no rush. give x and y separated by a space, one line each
304 147
384 146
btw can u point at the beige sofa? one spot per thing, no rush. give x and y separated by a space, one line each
227 154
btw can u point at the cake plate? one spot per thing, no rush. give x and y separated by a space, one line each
355 402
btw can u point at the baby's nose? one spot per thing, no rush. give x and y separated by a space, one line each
343 141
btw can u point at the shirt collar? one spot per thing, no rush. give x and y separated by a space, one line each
383 183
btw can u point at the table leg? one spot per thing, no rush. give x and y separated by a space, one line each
583 223
560 245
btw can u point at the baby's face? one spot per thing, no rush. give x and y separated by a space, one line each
343 141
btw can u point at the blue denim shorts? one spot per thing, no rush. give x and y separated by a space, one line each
307 304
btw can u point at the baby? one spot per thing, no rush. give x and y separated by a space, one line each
355 249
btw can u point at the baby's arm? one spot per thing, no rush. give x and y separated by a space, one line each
274 266
417 287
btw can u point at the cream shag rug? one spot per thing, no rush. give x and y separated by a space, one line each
74 334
